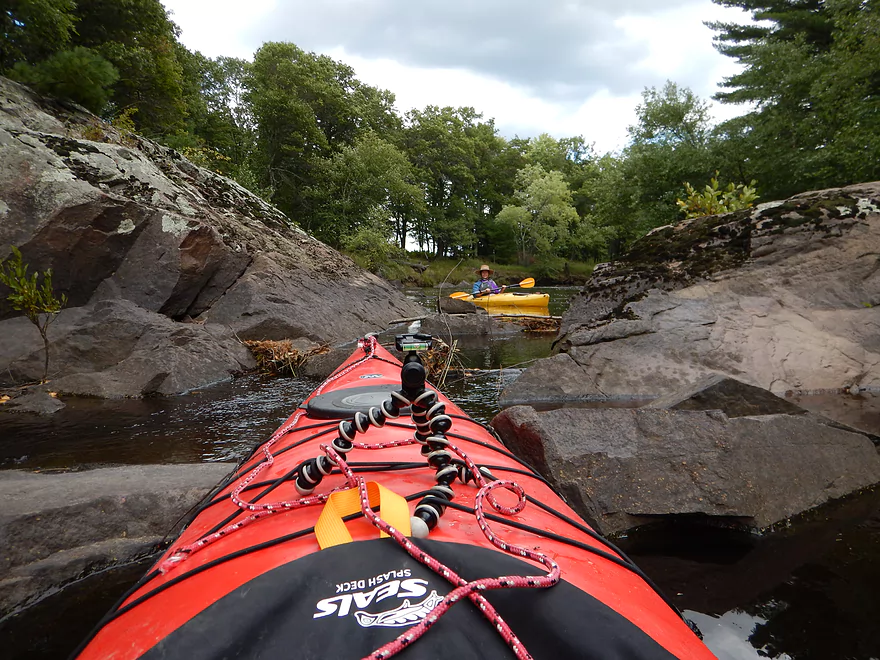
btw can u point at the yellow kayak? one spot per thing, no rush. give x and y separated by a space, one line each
517 310
511 299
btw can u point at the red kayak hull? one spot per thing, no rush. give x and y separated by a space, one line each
165 602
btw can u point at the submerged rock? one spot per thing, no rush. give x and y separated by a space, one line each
729 395
620 468
55 528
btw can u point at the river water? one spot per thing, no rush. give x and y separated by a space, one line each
810 591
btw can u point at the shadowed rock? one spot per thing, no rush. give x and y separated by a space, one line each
620 468
737 399
57 527
115 349
734 398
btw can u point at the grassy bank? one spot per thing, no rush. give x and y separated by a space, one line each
419 271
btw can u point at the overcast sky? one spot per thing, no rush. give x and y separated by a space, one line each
564 67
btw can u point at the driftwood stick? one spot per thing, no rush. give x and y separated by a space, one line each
409 320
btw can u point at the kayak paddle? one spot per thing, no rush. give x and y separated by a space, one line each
527 283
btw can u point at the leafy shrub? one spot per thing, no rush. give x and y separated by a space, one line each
124 121
370 248
79 75
93 132
37 300
713 199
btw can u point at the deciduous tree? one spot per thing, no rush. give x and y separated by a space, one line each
543 218
32 294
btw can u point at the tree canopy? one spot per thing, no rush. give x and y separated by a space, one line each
812 71
336 155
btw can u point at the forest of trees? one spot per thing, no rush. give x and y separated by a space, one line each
335 155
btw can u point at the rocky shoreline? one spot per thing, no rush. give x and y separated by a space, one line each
58 528
167 266
722 452
785 297
702 328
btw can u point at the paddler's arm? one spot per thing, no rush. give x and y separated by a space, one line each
495 288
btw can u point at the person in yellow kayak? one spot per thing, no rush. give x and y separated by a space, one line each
485 285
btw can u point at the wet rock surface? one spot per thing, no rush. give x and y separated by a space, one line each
621 468
36 401
122 218
785 297
552 379
55 528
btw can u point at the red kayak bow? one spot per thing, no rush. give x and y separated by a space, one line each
381 520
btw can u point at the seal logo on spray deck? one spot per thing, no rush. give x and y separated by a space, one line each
397 584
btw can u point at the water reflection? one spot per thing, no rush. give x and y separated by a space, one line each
728 635
499 361
861 411
514 310
223 422
219 423
809 591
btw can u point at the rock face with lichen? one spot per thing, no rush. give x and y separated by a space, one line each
121 218
785 296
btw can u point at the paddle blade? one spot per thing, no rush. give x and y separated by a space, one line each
459 295
527 283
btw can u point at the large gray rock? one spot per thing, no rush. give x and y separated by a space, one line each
125 218
620 468
114 348
57 527
785 297
558 378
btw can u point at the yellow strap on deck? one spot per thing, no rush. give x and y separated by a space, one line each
393 509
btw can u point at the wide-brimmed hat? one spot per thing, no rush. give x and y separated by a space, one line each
482 268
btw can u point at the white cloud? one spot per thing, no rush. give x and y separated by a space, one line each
220 27
644 44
